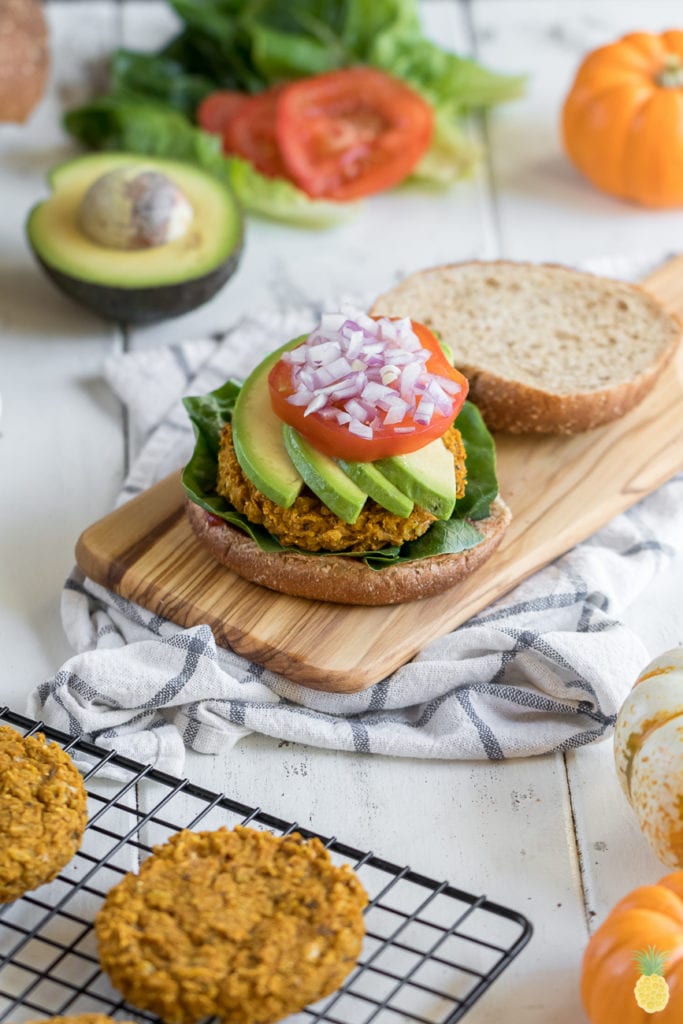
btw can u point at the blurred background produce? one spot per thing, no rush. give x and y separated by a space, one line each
246 47
24 60
622 120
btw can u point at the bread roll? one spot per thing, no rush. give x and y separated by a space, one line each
24 60
340 579
546 349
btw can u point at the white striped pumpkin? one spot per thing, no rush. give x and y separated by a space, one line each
648 749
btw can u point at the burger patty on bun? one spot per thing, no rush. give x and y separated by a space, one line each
310 525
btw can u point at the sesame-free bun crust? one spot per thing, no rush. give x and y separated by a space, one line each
341 579
546 349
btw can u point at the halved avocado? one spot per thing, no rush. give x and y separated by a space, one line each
139 285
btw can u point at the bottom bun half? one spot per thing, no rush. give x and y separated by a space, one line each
342 579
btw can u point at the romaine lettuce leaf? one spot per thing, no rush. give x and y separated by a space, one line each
280 200
208 414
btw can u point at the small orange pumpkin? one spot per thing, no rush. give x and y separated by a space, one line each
622 121
651 915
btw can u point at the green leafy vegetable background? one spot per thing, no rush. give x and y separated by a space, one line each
249 45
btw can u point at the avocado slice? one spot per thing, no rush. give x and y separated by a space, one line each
257 437
427 476
324 477
140 285
378 487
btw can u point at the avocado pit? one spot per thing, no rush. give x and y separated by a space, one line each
134 207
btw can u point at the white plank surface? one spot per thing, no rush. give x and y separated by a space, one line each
61 449
551 836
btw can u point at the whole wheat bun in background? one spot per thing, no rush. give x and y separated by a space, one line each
344 580
546 349
24 60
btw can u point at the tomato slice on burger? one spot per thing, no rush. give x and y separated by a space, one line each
218 108
251 134
351 133
407 394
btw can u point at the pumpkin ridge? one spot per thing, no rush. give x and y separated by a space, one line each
634 747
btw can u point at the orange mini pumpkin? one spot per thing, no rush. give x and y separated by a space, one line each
622 121
650 916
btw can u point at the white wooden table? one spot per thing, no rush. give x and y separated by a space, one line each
551 836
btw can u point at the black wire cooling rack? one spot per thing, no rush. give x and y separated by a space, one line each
430 952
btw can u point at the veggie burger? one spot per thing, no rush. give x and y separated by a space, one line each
347 467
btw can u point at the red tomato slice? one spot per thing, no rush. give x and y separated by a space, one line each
350 133
218 108
335 440
251 134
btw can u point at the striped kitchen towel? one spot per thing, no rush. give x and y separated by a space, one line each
544 669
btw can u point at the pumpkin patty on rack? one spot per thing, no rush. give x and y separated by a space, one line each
43 811
240 924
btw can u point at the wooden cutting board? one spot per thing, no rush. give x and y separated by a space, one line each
560 490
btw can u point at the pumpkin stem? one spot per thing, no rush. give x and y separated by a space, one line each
671 75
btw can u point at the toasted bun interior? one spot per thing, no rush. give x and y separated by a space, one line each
546 349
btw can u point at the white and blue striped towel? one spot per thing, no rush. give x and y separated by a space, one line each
544 669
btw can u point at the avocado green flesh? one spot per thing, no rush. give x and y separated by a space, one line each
427 476
213 238
324 477
378 487
257 437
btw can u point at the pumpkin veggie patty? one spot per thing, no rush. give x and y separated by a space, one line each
43 812
311 525
241 924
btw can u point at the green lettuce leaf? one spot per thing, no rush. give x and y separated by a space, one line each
450 157
279 200
131 124
155 77
209 412
482 483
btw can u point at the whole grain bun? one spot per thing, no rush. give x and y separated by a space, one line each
546 349
341 579
23 57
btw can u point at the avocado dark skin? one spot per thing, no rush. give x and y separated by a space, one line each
145 305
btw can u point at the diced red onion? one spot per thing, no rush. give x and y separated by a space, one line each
424 413
317 402
360 429
366 374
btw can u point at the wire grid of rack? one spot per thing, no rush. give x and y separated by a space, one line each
430 951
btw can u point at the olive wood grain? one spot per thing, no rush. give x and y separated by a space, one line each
560 489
